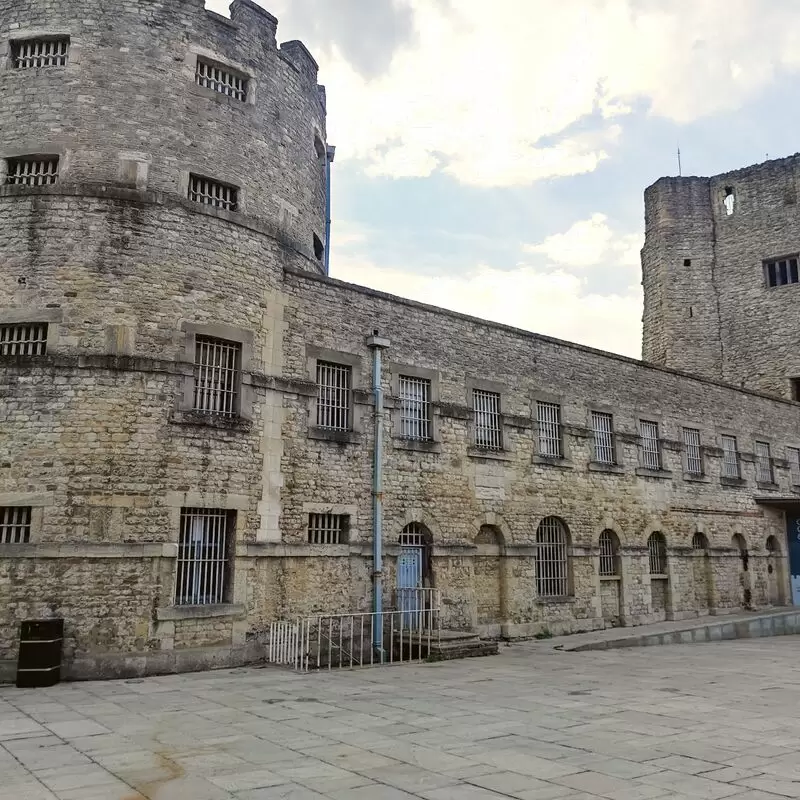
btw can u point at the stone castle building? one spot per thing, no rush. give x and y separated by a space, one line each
186 403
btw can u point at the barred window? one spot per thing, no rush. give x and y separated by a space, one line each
32 170
24 339
204 556
552 560
217 376
657 551
609 553
764 463
333 396
213 193
730 457
694 458
328 528
650 444
699 541
15 524
548 416
415 408
793 456
33 53
221 79
603 431
488 428
781 271
415 534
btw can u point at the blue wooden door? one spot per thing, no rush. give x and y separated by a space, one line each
793 539
409 580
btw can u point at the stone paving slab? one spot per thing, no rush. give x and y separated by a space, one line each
679 722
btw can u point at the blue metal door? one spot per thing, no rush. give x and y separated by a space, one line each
793 538
409 580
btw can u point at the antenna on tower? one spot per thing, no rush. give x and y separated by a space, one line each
679 162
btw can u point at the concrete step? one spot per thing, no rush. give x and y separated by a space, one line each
461 644
752 625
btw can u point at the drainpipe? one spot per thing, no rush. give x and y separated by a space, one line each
376 343
330 152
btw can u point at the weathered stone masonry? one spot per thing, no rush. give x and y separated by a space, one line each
100 439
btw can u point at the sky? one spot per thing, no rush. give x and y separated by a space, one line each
491 156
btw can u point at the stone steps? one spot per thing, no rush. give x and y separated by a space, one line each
461 644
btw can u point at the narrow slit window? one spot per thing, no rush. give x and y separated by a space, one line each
32 171
221 79
793 457
488 433
35 53
204 562
217 376
15 524
333 396
213 193
328 528
24 339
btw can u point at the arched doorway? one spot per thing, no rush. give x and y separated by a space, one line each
490 582
775 577
610 577
740 545
414 568
659 578
701 574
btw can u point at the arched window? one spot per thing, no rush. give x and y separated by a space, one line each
773 548
552 560
657 550
609 553
415 534
699 541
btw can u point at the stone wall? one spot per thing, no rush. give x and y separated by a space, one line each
708 308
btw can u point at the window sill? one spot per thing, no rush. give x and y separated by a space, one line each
645 472
601 466
553 461
554 601
168 613
610 577
725 481
659 577
694 477
418 445
219 97
210 420
332 435
496 455
770 486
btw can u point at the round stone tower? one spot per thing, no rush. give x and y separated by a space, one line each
159 166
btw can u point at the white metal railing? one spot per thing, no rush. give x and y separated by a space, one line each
361 639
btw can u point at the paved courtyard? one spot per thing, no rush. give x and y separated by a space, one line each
691 721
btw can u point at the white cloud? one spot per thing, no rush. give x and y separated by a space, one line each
554 303
491 93
589 242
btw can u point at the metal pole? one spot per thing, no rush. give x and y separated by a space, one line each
376 343
330 152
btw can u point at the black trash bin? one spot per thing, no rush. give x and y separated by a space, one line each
40 644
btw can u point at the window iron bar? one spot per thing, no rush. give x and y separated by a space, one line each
27 339
35 53
548 416
32 171
15 524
